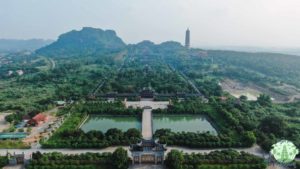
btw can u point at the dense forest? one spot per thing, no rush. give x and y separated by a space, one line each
63 81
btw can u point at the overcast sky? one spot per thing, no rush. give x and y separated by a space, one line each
265 23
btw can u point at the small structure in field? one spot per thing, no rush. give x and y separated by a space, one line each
37 119
60 103
20 72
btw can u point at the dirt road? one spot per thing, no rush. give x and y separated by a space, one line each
3 124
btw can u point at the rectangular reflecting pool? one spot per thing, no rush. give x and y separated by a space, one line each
103 123
187 123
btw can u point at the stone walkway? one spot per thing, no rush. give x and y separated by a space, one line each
14 167
147 166
147 105
147 124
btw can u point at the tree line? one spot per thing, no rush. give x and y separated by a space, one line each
93 139
118 160
104 107
226 159
203 140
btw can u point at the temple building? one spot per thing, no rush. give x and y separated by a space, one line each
37 120
187 38
147 92
148 151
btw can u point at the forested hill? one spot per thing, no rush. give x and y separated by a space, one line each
84 42
282 66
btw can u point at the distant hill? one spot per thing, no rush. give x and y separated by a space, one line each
283 66
287 50
84 42
170 46
16 45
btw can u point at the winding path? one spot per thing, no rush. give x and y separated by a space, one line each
52 63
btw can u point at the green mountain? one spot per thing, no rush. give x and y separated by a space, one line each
84 42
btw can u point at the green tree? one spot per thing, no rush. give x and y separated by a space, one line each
175 159
243 98
249 138
273 124
120 159
133 133
3 161
264 100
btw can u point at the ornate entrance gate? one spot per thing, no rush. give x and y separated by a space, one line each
147 151
148 158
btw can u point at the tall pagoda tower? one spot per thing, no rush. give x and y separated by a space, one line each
187 38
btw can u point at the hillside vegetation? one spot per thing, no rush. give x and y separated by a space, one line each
273 66
84 42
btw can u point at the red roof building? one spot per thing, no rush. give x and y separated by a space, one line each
38 119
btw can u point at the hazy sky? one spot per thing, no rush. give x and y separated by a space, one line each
212 22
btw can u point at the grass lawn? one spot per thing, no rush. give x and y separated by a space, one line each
10 144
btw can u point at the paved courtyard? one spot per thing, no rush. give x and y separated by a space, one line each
147 103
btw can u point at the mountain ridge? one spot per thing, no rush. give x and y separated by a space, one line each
85 41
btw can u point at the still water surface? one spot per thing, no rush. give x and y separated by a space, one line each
187 123
103 123
177 123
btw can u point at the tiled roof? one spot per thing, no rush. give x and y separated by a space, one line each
39 117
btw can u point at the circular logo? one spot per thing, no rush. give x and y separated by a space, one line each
284 151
